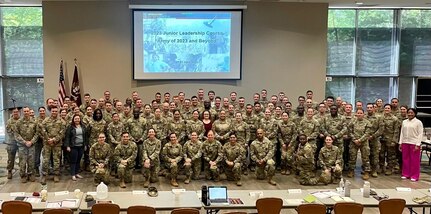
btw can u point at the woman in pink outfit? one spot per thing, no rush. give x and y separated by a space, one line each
410 143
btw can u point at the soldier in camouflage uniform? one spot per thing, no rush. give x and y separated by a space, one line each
148 114
52 132
310 127
126 114
100 155
107 112
347 140
95 127
360 131
160 125
137 127
178 126
172 154
212 155
125 155
151 158
26 136
258 111
242 131
297 118
88 116
287 133
12 146
115 128
39 143
374 138
252 122
192 158
233 154
262 152
304 160
270 127
195 125
221 128
389 140
330 161
334 125
186 111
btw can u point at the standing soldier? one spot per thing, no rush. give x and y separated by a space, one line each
252 122
95 127
212 155
26 136
242 131
270 127
310 127
287 133
195 125
374 138
159 124
233 154
12 146
305 162
52 132
334 125
173 154
100 155
389 141
136 127
178 126
221 128
192 158
148 114
115 128
150 158
125 155
330 161
88 116
39 143
360 131
262 152
125 115
297 118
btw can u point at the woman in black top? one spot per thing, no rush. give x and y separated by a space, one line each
76 140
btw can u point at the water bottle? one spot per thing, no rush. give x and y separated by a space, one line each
347 188
341 185
102 191
366 189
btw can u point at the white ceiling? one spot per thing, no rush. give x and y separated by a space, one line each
332 3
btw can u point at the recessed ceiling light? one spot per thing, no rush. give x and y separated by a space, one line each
359 3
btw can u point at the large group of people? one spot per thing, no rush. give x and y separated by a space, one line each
315 142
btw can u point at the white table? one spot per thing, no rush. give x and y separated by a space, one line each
39 207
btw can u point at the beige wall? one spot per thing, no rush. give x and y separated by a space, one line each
284 49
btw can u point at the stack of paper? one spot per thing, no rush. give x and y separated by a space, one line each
342 199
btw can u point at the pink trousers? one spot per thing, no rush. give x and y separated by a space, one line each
411 161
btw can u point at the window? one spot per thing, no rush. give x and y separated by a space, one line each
340 87
369 89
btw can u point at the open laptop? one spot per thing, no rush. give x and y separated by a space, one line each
218 195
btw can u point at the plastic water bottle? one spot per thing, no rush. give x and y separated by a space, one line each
341 185
366 189
102 191
347 186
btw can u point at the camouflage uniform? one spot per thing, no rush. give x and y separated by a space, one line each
107 116
242 131
376 130
95 128
38 145
195 126
287 133
252 122
263 151
347 140
187 114
297 119
137 131
179 128
305 164
124 118
160 125
234 153
151 151
389 142
125 152
360 130
52 129
221 129
86 120
12 146
329 158
270 127
337 127
26 130
212 151
311 129
148 116
114 138
172 151
100 154
193 151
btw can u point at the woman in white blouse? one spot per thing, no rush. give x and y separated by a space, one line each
410 142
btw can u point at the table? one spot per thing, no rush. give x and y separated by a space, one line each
166 200
40 207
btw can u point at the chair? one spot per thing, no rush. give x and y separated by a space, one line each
141 210
185 211
392 206
311 208
14 207
105 209
426 147
58 211
236 213
269 205
348 208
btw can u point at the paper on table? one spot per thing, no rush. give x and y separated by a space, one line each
330 193
320 195
403 189
53 204
362 189
34 200
92 193
337 198
347 199
294 191
139 192
178 191
294 201
15 194
61 193
309 199
69 203
256 194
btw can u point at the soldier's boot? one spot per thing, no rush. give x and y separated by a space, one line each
9 174
24 179
366 176
374 174
238 183
272 182
31 178
187 181
217 178
388 171
350 174
381 170
122 184
174 182
146 183
56 179
43 179
113 174
87 168
37 173
287 172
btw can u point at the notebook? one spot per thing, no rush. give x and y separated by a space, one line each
218 195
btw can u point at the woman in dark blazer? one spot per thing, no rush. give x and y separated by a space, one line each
75 142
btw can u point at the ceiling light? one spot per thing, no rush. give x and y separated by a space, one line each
359 3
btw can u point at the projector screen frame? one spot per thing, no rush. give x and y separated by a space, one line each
133 10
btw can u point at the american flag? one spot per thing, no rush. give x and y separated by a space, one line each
61 89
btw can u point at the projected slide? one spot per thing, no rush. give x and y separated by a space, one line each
187 44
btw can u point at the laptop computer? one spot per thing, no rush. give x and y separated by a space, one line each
218 195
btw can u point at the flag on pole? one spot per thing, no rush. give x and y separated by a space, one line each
75 92
61 90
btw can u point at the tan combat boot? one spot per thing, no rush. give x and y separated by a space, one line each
56 179
31 178
187 181
272 182
43 179
146 183
366 176
9 174
350 174
122 184
238 183
374 174
24 179
174 182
